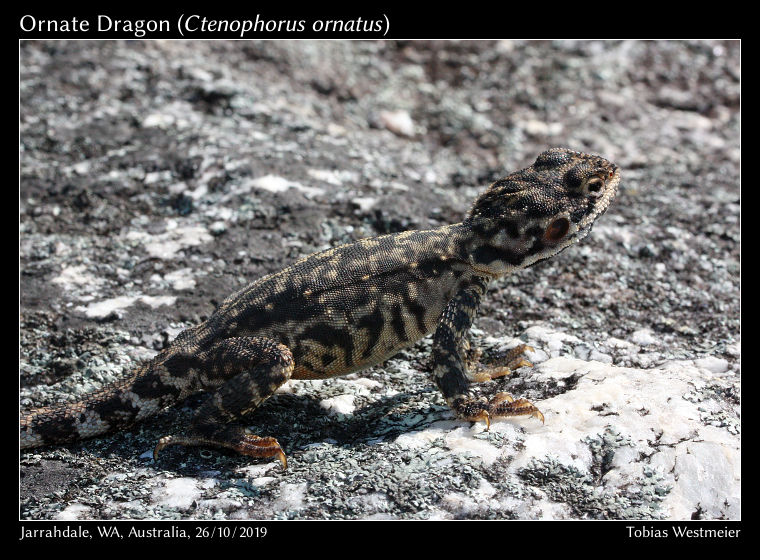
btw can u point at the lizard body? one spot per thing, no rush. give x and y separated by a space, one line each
351 307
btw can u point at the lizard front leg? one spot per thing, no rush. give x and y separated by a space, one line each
242 372
451 374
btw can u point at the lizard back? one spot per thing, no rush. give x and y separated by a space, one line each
353 306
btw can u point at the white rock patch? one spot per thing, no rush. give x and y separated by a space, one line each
274 183
166 245
701 462
342 404
104 308
179 493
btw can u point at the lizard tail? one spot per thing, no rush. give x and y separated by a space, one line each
116 406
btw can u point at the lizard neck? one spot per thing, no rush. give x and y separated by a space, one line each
496 249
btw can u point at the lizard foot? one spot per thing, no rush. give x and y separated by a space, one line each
501 405
512 360
237 439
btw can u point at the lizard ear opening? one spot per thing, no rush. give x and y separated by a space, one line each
557 230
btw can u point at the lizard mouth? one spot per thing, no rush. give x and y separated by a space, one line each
485 272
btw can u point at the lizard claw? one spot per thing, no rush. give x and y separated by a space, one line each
511 361
482 415
163 442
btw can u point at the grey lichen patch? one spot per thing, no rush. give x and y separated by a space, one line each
585 491
71 362
395 483
721 419
603 448
719 403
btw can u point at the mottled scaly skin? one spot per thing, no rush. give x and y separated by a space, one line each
351 307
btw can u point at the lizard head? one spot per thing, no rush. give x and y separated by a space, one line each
535 213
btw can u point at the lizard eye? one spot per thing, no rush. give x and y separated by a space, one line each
557 230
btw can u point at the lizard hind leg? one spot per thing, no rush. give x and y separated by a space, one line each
244 372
